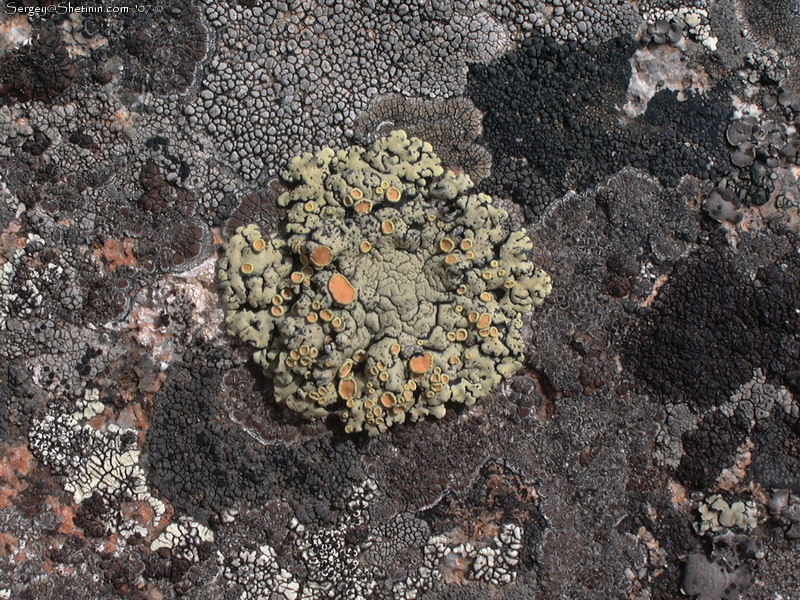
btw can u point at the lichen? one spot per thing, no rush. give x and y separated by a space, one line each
718 515
392 292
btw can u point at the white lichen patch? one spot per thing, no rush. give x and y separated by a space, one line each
654 68
494 561
497 563
756 400
669 437
26 296
435 551
10 200
260 576
692 20
333 568
182 538
392 292
106 462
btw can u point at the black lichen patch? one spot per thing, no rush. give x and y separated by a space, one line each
712 325
20 400
552 122
165 209
38 71
674 534
709 449
259 206
168 48
606 249
680 137
196 460
202 462
161 47
776 458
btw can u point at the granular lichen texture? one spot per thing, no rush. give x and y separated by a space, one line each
391 292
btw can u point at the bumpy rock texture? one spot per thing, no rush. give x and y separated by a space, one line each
648 447
391 293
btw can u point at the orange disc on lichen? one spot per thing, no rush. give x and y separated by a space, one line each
340 289
345 369
387 226
258 245
484 321
363 207
321 256
421 363
393 194
347 389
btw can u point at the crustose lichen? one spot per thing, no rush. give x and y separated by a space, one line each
391 293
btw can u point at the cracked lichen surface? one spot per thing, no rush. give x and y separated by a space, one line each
392 291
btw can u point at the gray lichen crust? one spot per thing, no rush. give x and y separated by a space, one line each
392 292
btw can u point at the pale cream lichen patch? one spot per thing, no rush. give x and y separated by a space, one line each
718 515
182 538
392 292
